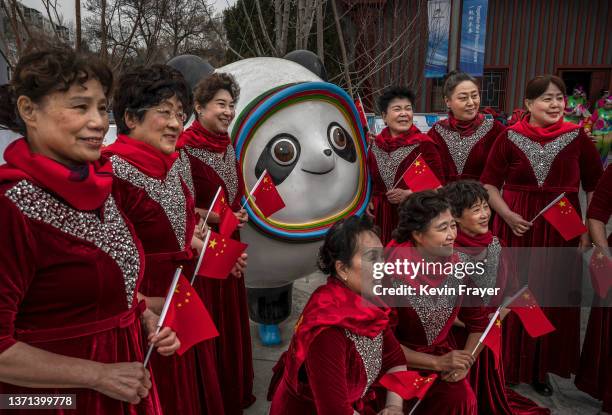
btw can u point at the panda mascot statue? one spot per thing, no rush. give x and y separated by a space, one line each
306 133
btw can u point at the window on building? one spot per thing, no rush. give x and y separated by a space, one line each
437 96
493 94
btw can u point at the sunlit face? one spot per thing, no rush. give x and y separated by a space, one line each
474 221
438 238
161 125
69 126
464 102
548 108
398 116
357 275
217 114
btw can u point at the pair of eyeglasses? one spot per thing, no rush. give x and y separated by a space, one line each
168 113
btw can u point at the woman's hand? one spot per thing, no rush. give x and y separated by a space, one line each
242 217
240 266
201 229
397 196
128 381
454 360
455 375
165 341
516 222
392 410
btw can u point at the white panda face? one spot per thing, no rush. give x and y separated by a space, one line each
311 154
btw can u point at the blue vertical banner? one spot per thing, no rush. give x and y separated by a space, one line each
438 18
473 35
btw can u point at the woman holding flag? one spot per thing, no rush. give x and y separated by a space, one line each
425 233
392 153
207 149
71 264
465 138
540 163
343 343
154 186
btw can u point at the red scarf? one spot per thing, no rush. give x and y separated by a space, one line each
332 305
464 128
199 137
143 156
85 187
386 142
543 135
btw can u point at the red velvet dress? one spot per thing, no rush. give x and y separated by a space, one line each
339 351
488 382
225 299
464 147
425 327
533 167
388 159
154 192
595 372
68 277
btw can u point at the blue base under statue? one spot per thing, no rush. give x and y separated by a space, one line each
269 334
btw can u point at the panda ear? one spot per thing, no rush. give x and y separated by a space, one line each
308 60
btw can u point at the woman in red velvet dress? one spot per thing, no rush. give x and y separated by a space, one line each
465 138
342 343
426 232
391 153
70 264
595 372
207 149
476 243
155 188
534 161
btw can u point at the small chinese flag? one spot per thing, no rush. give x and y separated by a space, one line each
564 218
220 204
267 198
419 177
220 256
228 223
600 268
493 340
188 317
531 315
408 384
361 112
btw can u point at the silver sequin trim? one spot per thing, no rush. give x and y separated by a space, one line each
388 163
460 147
186 172
489 278
168 192
371 351
111 236
224 166
541 157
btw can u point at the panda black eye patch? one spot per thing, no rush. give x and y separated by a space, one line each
279 157
341 142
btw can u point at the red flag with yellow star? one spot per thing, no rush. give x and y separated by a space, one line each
531 315
493 340
408 384
228 223
564 218
220 256
600 268
267 198
188 317
220 204
419 177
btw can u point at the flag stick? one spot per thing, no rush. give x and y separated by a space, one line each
197 268
414 407
549 205
514 297
162 316
487 330
250 194
408 168
211 206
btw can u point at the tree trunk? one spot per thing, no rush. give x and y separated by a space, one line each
320 27
345 62
103 30
77 11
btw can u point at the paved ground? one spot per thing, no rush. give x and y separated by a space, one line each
566 399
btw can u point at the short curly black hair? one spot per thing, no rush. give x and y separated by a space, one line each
206 89
147 86
392 93
341 242
463 194
417 212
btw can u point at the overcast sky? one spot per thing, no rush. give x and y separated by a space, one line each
66 7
